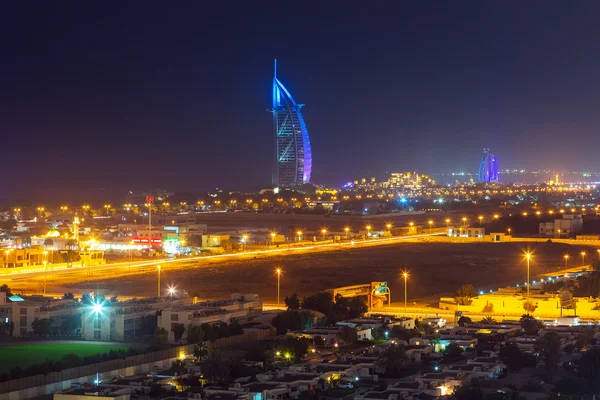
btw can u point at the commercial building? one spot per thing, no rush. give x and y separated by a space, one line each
488 168
21 257
569 225
123 320
293 156
467 232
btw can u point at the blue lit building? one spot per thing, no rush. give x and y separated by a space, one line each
293 157
488 168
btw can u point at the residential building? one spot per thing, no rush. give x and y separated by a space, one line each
240 307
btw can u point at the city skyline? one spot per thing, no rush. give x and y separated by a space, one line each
172 101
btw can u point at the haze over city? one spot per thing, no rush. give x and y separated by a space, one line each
131 98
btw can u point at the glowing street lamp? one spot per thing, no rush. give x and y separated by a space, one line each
480 219
368 230
528 257
447 222
278 272
388 226
583 253
566 256
496 216
430 222
299 233
171 290
245 240
405 276
273 234
411 224
348 230
158 268
464 220
509 230
323 232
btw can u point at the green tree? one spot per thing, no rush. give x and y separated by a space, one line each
200 350
195 334
258 352
400 333
548 347
178 330
215 368
71 324
589 370
347 335
160 339
42 326
464 294
463 320
514 358
393 360
453 351
322 302
293 320
585 338
530 325
4 288
292 302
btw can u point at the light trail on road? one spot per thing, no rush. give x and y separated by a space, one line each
128 267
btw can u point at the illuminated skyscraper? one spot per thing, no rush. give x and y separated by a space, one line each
488 167
293 157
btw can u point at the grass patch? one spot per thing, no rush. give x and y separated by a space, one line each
26 355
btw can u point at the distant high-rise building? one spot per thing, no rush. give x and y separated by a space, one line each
293 157
488 167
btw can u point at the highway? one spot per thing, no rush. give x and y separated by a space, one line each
78 273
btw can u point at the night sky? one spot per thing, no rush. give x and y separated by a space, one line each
116 96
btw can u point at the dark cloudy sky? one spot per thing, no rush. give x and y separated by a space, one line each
134 95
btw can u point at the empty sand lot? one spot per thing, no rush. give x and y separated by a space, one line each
436 269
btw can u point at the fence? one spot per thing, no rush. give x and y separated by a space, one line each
113 365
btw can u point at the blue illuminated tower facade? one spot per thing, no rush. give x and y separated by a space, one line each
488 168
293 157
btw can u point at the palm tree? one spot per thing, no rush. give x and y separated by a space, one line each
347 335
488 320
392 360
215 368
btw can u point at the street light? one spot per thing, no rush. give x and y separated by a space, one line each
496 216
509 230
368 230
299 233
171 290
566 256
158 268
278 272
323 232
528 257
464 220
447 222
480 219
405 276
411 224
430 222
273 234
348 230
583 253
389 226
245 240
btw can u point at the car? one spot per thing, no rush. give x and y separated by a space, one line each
345 385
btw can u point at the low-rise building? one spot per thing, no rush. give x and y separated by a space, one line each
240 307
